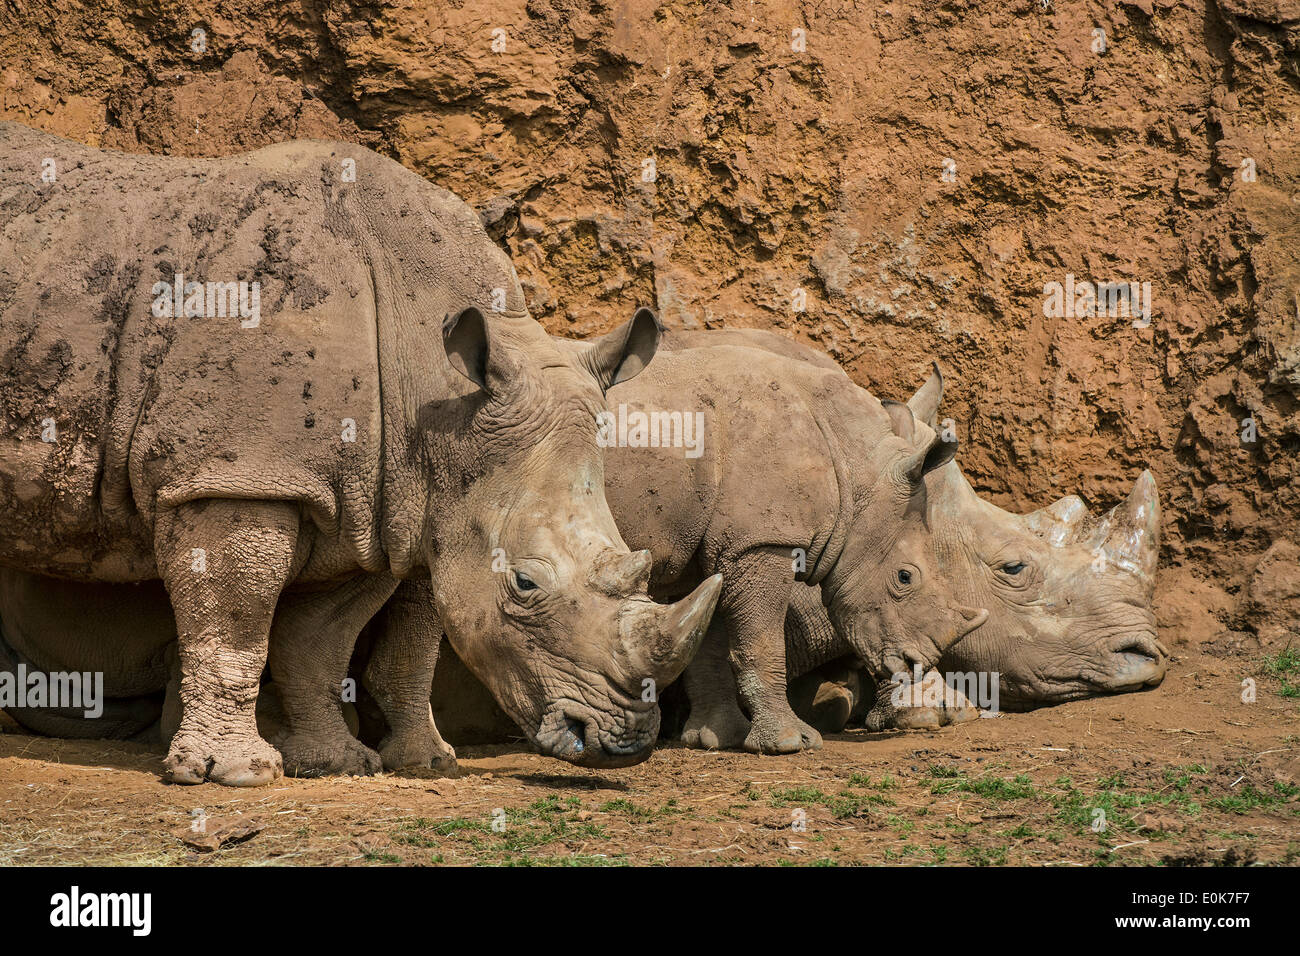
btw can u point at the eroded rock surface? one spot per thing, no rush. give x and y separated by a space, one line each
821 169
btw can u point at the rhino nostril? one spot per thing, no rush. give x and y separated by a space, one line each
1138 646
577 730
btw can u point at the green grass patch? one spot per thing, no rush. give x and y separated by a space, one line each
1249 798
1078 808
844 805
1284 666
986 856
988 786
629 809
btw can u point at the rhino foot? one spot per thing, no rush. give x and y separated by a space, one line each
241 762
722 728
313 757
928 705
782 736
831 708
398 753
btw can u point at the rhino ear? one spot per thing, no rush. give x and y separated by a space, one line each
625 352
925 403
901 420
465 339
929 450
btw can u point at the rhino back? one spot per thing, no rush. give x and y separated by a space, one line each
778 344
764 475
151 409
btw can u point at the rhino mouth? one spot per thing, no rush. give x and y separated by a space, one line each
580 734
1135 661
1131 661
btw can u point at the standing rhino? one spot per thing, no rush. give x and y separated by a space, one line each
268 382
1069 596
802 477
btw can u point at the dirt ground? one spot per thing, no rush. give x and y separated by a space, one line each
1184 774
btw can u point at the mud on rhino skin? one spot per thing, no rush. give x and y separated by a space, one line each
282 454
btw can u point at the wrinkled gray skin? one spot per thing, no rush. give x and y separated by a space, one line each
1067 624
1069 595
842 483
821 468
283 479
817 465
1044 656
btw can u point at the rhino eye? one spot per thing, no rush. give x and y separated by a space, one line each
904 576
1015 567
524 583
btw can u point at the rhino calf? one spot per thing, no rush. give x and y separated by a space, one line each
803 477
272 387
1069 595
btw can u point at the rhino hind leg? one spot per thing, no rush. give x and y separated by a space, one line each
399 675
224 564
312 641
753 610
715 721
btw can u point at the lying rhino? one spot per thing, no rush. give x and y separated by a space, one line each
266 381
1069 596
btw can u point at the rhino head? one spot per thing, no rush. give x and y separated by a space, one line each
537 591
1069 596
886 595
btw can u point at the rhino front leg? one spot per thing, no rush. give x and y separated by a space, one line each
311 643
716 721
753 607
224 564
399 675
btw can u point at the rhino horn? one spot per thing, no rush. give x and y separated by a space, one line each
1061 522
1132 530
660 640
968 619
622 575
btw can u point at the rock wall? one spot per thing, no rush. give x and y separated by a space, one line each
892 181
